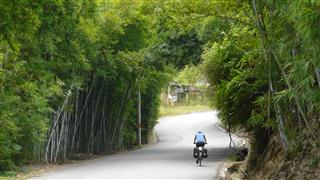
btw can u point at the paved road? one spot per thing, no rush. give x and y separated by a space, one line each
170 158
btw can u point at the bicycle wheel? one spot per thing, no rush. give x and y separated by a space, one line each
200 158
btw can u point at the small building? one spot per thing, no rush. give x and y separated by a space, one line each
180 93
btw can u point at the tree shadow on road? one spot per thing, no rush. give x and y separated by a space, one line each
218 154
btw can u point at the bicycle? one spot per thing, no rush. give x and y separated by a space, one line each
201 153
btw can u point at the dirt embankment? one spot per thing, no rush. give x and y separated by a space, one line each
275 163
298 163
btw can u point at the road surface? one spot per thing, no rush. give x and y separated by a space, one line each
170 158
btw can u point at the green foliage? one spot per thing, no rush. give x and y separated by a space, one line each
179 49
213 29
151 101
49 46
314 163
190 75
231 66
263 68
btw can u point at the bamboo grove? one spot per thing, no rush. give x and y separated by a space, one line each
265 73
69 74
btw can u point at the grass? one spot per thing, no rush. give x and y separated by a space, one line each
8 175
19 173
183 109
232 157
26 172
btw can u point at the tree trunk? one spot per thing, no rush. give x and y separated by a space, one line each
268 56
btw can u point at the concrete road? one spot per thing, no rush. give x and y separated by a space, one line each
170 158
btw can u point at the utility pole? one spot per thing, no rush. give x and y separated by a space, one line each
139 117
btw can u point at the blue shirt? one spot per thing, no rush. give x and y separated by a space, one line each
200 137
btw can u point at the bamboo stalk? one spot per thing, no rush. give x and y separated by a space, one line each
268 56
80 117
296 99
101 123
57 119
60 137
93 120
124 97
317 72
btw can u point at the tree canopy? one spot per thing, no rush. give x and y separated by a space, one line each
70 71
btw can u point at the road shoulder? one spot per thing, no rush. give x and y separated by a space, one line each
232 169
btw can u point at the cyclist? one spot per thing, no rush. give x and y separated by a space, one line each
200 140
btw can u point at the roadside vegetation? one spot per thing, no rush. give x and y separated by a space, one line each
69 76
183 109
70 72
